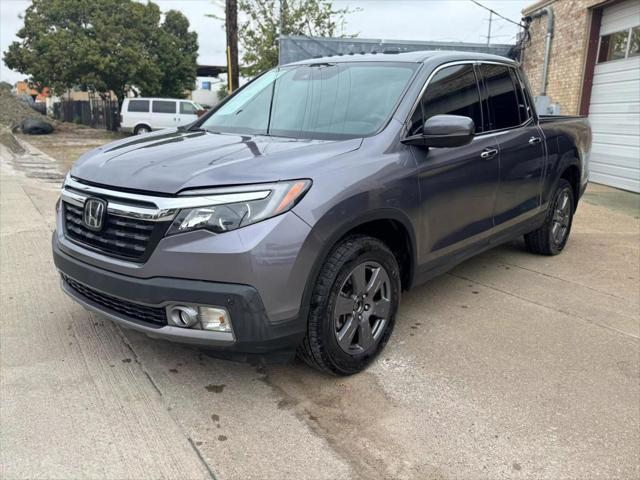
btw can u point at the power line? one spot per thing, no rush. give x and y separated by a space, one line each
497 14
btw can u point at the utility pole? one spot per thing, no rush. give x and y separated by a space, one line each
283 27
489 33
283 17
231 25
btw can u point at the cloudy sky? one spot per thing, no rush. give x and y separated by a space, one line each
439 20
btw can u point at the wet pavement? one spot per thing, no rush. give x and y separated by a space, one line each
511 365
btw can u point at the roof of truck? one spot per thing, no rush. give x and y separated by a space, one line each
409 57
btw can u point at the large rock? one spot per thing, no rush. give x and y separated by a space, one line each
36 126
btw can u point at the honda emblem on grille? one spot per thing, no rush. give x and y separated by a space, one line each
94 212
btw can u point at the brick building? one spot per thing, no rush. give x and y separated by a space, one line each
593 69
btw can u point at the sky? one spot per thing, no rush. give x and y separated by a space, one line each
434 20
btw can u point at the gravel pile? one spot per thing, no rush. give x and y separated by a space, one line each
13 111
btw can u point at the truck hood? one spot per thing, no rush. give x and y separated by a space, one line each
169 161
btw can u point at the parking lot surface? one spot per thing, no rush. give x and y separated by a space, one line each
512 366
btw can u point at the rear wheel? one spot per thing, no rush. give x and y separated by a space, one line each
353 306
141 129
552 236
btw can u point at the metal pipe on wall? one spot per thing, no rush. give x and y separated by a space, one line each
548 11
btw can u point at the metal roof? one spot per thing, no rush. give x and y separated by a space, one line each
210 70
407 57
297 48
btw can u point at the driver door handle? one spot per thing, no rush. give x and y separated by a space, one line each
534 140
488 153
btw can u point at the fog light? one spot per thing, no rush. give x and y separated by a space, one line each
214 318
183 316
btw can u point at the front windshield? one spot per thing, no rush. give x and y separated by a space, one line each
323 101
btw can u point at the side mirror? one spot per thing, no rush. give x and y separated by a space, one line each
444 131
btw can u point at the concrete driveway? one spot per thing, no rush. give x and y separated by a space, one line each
511 366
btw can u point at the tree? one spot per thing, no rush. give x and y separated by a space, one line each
223 91
105 45
177 57
264 20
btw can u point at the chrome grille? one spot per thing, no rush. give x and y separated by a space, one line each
130 309
122 237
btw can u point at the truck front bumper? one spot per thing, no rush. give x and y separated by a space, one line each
96 289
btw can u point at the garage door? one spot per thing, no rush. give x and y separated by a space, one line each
614 109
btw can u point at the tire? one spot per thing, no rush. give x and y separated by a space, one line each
358 285
552 236
36 126
141 129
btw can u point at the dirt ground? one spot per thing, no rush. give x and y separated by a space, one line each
13 111
69 141
510 366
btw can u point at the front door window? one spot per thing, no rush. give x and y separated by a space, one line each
453 91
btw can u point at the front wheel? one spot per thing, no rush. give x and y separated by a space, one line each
353 306
552 236
141 129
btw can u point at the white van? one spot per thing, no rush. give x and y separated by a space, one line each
141 115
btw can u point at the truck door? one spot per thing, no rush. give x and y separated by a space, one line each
457 185
521 143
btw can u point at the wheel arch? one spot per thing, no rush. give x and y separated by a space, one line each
371 223
141 124
571 174
569 168
395 235
568 165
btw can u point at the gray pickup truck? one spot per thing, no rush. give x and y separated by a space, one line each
291 217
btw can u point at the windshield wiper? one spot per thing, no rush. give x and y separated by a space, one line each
184 128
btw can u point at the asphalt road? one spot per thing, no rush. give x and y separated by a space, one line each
511 366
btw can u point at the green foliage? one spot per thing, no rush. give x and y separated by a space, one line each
105 45
223 91
177 57
261 27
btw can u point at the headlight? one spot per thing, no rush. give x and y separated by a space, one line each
66 179
245 205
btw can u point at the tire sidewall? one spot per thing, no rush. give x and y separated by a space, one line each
562 187
137 130
341 360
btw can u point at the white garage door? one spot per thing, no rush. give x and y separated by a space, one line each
614 110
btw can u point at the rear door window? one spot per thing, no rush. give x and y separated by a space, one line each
452 91
523 107
138 106
164 106
502 97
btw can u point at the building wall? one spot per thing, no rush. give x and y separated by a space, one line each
568 50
